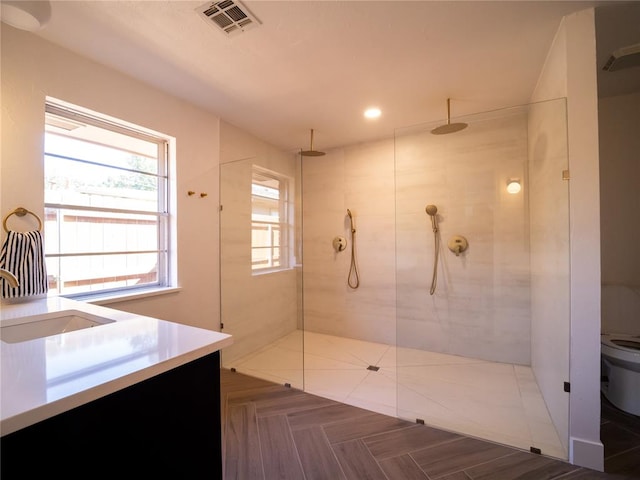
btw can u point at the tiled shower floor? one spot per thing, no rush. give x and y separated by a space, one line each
494 401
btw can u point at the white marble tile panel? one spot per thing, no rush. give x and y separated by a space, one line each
375 389
399 356
349 350
419 334
293 341
369 159
371 328
272 358
325 201
332 161
544 433
487 383
322 322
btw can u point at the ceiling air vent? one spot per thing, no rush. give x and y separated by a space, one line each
228 16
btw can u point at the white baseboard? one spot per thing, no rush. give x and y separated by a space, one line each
585 453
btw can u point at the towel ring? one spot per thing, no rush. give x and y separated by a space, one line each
21 212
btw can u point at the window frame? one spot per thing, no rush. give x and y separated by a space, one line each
162 213
284 223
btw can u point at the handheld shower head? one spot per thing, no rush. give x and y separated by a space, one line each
353 228
432 210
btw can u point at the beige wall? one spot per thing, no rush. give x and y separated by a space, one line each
585 447
33 69
570 71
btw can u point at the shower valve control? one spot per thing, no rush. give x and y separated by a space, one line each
458 244
339 243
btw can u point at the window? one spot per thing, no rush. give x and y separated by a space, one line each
270 228
106 213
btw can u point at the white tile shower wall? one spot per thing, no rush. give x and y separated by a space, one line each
359 178
481 305
481 308
255 309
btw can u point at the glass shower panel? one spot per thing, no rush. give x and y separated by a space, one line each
470 336
260 261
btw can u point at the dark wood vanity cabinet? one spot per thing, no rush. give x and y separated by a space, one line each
166 426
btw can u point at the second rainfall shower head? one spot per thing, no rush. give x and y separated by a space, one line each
311 152
449 127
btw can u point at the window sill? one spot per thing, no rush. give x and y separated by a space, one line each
257 273
106 299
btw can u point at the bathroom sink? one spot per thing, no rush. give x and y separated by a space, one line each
45 325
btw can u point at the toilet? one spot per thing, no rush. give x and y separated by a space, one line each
620 367
620 347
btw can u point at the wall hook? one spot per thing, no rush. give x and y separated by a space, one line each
203 194
191 192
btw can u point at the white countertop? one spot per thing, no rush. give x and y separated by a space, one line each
46 376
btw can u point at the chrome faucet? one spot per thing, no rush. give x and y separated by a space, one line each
9 277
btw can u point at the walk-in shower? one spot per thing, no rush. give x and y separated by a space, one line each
472 356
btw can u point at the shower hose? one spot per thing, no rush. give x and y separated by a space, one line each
434 278
354 278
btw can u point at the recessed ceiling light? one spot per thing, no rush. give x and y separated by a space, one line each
372 112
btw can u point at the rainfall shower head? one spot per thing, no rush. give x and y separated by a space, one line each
311 152
449 127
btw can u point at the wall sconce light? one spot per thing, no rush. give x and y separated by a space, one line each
513 185
25 14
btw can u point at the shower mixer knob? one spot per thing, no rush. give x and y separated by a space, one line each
339 243
458 244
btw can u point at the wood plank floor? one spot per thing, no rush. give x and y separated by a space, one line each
620 434
273 432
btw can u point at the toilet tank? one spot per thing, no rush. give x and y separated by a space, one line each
620 309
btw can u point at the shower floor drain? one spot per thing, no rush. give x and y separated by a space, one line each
373 367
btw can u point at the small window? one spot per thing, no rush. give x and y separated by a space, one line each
106 213
270 221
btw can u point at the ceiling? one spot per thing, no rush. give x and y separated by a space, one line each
319 64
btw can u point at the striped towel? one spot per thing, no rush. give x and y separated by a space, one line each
23 255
